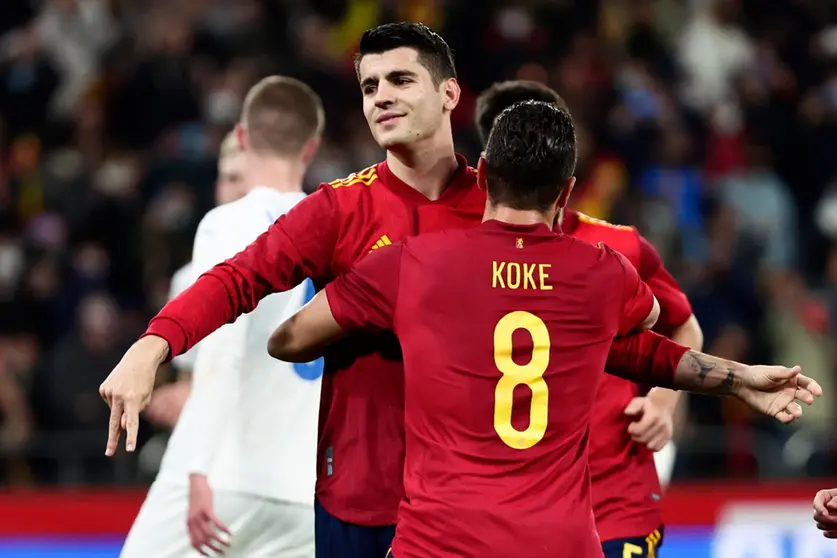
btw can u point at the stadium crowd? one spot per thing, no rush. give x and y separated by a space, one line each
710 125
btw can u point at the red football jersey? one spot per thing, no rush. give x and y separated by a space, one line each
504 331
360 451
626 489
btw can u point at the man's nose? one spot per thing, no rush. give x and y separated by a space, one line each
383 97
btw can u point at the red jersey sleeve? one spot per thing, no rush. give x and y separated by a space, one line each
299 244
646 358
365 296
674 305
637 297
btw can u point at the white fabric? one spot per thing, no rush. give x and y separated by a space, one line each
664 460
250 422
180 281
259 527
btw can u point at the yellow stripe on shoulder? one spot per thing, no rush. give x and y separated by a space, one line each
366 177
601 222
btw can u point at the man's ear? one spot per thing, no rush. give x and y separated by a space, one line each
309 150
241 136
452 94
482 183
564 196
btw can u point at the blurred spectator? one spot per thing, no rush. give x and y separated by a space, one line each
709 124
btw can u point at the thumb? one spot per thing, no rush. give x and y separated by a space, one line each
635 407
784 373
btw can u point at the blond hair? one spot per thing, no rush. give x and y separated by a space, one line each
281 115
230 146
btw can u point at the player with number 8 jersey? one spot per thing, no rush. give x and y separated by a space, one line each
505 330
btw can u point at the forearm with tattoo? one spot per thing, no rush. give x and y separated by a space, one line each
702 373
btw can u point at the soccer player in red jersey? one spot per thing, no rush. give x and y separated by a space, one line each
625 428
409 88
504 329
408 81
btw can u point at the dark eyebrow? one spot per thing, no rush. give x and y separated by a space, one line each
391 76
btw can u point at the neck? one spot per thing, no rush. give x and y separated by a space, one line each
511 216
283 175
427 166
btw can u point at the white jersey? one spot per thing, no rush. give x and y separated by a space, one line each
180 281
250 423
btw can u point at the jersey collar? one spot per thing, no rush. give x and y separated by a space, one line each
538 229
463 180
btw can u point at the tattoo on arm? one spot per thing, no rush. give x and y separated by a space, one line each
707 374
702 368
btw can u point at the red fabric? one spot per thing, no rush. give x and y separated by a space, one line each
626 490
360 454
494 468
360 451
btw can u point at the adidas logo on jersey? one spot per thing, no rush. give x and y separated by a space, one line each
383 241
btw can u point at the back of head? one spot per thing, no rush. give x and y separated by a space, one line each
501 96
280 116
433 52
530 156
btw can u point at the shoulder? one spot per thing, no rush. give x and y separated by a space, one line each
356 181
251 212
621 237
588 221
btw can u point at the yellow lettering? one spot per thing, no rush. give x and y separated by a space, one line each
529 276
496 274
543 276
513 280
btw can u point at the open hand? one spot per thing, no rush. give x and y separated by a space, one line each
825 512
775 390
652 426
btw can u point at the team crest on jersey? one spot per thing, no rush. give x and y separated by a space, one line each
383 241
519 243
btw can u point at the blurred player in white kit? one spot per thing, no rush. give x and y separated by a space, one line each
238 474
232 184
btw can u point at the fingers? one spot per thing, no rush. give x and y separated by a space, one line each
131 421
790 413
635 407
219 526
114 427
824 504
809 385
645 428
205 532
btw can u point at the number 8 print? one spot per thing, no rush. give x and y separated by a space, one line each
530 374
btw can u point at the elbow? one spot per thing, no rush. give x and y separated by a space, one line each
277 345
689 334
281 347
652 317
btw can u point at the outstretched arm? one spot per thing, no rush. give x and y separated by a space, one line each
278 260
652 359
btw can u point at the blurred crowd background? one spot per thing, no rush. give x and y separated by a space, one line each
711 125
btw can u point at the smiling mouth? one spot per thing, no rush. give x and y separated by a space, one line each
389 118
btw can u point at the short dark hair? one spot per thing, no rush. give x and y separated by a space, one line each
530 155
281 114
433 52
501 96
